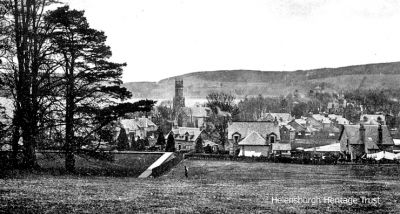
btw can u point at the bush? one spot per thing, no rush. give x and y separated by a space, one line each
223 152
199 145
122 141
170 144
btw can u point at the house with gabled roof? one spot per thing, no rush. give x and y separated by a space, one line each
314 123
357 140
254 145
253 138
297 125
302 128
287 133
138 128
186 137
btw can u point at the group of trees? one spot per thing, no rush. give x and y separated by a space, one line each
57 71
169 145
252 108
163 115
136 144
375 100
224 110
371 102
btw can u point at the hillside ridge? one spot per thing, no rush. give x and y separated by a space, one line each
243 82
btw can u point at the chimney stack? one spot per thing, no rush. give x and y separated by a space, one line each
380 134
362 133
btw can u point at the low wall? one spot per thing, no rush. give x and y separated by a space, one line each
166 166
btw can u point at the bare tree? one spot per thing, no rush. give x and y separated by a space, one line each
224 110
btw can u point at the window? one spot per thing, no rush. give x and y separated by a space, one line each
179 147
236 137
272 139
186 137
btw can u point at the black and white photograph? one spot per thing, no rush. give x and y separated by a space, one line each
199 106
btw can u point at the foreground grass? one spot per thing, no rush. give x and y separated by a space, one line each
212 187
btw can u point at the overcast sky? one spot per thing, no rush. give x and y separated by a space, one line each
164 38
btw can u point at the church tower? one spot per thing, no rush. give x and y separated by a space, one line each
179 99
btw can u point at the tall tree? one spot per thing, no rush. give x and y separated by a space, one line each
26 68
161 139
299 110
170 147
163 115
92 82
133 144
140 144
122 141
224 110
199 145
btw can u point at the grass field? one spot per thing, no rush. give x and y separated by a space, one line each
212 187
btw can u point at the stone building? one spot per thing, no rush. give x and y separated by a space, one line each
255 138
357 140
186 137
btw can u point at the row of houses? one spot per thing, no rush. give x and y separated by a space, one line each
279 133
316 133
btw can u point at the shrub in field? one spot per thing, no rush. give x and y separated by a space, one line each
199 145
170 147
122 141
161 139
140 144
133 144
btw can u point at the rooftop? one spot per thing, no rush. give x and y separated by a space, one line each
246 128
371 134
253 139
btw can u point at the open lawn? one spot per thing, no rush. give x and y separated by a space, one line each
213 187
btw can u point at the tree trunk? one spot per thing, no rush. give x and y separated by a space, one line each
23 17
15 140
29 160
69 119
69 137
